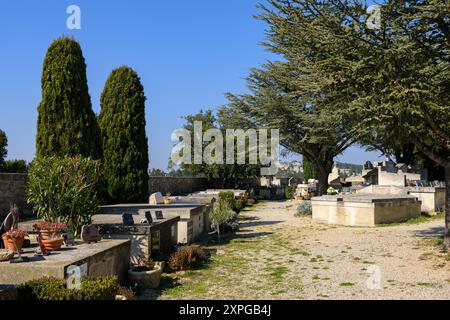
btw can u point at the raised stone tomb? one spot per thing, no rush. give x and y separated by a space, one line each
105 258
365 210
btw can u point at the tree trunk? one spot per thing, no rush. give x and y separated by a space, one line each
323 172
447 209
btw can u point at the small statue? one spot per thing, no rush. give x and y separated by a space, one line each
90 233
11 221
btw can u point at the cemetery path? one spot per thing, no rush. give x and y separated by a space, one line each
276 255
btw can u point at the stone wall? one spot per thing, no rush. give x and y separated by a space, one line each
12 190
179 186
176 185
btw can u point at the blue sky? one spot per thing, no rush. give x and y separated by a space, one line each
187 53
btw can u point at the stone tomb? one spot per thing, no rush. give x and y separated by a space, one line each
365 210
147 240
105 258
193 223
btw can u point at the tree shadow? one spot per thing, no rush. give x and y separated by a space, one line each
435 232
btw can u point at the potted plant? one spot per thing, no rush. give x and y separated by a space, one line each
51 234
13 240
146 274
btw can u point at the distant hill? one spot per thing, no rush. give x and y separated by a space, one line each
350 167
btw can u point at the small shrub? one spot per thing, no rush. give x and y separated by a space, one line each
289 192
240 202
304 209
228 196
185 258
55 289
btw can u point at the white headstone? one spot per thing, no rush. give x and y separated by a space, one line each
156 198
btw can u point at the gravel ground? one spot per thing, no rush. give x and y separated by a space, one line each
279 256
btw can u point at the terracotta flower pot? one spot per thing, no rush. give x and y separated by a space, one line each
9 243
53 244
48 234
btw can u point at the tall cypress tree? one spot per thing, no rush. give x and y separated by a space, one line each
124 142
66 125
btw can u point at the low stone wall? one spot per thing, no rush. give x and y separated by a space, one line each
12 190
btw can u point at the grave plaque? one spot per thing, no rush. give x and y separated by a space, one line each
127 219
159 215
148 217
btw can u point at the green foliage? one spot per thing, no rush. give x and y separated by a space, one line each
228 197
304 209
220 214
240 202
55 289
66 124
309 170
3 145
14 166
124 141
289 192
63 190
186 258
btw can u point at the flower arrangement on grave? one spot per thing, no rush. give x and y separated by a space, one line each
332 191
13 239
167 200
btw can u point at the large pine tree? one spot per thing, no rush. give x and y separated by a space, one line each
66 125
124 142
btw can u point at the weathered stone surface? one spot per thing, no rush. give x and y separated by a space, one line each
156 199
13 190
108 257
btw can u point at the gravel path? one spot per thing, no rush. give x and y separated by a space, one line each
343 263
276 255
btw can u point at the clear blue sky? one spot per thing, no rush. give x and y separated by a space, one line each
188 53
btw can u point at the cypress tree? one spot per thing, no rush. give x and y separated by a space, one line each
124 142
66 125
309 170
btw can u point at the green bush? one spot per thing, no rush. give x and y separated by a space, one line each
63 190
228 196
304 209
14 166
240 202
55 289
186 258
289 192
